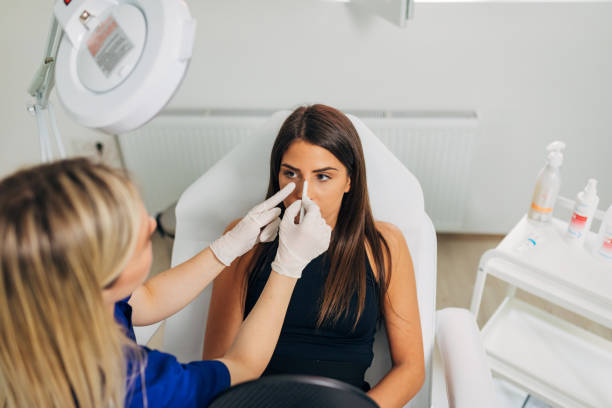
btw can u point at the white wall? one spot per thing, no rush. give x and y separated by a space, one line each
21 47
533 73
24 26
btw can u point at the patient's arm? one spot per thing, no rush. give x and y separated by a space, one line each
226 307
402 321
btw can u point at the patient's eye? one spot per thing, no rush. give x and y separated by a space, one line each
289 173
323 177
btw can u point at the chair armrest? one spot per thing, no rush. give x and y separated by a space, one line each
468 379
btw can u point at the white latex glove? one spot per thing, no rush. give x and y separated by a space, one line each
247 232
300 243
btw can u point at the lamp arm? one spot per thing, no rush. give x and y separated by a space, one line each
40 89
44 78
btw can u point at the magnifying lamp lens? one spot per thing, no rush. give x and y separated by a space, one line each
128 64
108 55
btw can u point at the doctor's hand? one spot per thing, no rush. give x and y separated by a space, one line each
248 231
300 243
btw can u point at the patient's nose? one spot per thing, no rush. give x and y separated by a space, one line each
295 195
298 190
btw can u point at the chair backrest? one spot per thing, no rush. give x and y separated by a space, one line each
239 181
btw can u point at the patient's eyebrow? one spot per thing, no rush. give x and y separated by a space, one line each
290 167
324 169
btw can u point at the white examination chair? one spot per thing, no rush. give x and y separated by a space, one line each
239 181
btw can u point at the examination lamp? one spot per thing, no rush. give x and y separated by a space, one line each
115 63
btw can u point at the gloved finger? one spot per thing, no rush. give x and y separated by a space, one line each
264 218
269 233
312 209
276 199
292 211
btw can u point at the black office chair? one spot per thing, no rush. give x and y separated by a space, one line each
293 391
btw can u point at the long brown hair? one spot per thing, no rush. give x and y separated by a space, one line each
329 128
67 230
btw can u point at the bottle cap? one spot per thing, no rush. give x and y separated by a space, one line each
555 155
590 190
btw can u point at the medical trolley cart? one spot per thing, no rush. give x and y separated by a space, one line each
551 358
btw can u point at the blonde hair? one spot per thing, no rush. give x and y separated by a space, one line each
67 230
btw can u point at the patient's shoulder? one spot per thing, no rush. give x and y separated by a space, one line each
394 237
401 259
395 241
390 232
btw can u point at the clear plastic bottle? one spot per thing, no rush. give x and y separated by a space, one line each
547 185
582 217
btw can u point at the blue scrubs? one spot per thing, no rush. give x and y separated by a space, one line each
169 383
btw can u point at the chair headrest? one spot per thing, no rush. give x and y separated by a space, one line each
239 181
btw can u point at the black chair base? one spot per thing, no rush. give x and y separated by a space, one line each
293 391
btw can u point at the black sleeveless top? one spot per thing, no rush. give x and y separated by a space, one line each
337 351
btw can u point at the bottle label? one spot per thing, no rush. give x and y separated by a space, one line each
606 248
577 224
539 209
108 45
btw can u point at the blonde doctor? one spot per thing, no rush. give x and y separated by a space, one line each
75 251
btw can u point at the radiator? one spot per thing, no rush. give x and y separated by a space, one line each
166 155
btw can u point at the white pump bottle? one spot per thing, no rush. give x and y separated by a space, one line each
582 217
547 185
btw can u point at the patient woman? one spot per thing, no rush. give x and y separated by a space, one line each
364 278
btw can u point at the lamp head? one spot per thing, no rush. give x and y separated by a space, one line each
120 61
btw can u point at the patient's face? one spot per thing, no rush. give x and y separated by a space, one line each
327 177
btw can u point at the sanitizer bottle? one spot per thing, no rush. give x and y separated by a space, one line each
586 204
603 249
547 185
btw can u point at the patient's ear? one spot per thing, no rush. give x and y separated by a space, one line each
347 188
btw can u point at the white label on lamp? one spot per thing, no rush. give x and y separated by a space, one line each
108 45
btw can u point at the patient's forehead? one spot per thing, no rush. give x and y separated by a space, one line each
307 157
